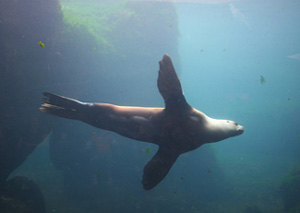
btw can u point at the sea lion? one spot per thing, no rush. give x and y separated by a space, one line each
176 129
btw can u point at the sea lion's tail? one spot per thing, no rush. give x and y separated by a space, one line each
62 106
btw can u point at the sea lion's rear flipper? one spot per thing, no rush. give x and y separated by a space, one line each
158 167
169 85
62 106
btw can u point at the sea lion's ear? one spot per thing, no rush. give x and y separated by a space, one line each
169 85
158 167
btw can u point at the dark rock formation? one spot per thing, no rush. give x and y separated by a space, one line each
21 195
23 71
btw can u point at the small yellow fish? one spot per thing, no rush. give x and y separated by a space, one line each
262 80
41 44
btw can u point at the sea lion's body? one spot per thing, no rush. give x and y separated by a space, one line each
180 130
176 129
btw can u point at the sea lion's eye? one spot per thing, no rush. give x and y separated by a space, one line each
228 122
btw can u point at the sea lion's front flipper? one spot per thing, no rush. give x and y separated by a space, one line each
169 85
158 167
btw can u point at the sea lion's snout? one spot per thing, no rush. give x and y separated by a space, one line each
240 129
235 127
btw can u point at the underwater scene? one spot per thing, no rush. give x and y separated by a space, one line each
149 106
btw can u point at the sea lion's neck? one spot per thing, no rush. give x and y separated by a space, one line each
217 129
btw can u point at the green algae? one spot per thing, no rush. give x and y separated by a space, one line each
99 19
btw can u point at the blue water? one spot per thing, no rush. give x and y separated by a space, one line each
223 50
222 58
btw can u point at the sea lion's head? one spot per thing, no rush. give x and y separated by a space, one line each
222 129
234 128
